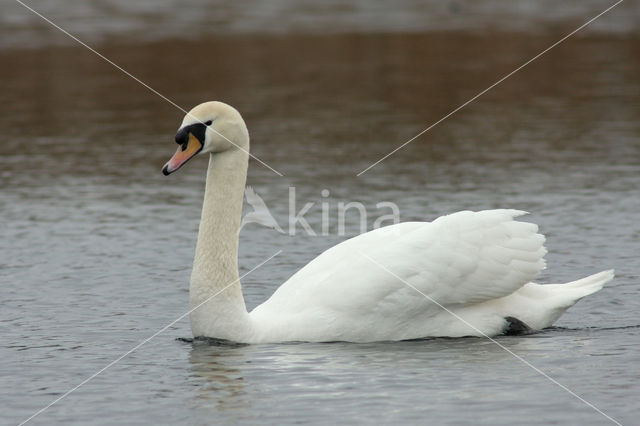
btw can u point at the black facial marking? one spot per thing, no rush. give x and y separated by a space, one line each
197 129
182 137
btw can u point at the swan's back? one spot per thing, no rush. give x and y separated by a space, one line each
387 284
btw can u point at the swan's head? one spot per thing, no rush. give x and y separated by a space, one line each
210 127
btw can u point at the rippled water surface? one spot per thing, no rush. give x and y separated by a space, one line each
97 245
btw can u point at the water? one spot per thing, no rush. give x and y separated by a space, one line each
97 244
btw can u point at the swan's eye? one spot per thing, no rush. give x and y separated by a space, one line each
208 123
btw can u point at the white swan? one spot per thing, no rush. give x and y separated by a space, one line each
465 274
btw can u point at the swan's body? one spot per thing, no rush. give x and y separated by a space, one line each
465 274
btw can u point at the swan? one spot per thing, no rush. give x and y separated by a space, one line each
464 274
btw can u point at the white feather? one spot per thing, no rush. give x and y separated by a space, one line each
462 261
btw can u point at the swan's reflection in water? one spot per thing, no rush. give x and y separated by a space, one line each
238 381
217 366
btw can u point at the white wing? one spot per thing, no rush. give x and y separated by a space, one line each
460 259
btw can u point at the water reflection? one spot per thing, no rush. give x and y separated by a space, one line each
242 378
221 385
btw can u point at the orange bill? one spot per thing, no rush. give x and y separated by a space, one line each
183 154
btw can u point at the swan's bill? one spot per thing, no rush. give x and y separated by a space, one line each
184 153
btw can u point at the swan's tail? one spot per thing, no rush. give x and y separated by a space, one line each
589 285
564 296
553 299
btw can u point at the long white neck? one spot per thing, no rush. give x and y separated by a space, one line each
215 287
